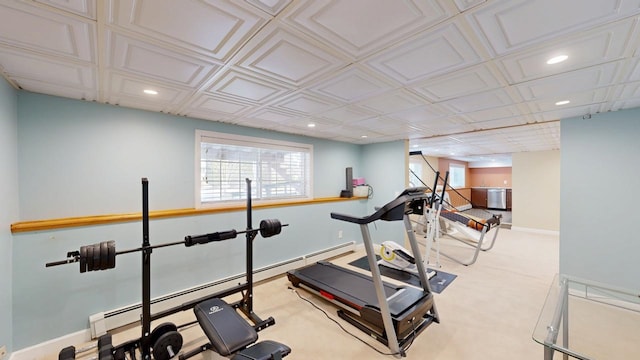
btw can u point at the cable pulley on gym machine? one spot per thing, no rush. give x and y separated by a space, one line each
102 256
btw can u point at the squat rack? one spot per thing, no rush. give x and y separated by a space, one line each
146 341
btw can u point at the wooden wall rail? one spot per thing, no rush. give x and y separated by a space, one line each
49 224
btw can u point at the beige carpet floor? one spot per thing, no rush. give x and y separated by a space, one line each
488 312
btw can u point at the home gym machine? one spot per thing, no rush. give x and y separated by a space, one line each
228 332
395 256
394 315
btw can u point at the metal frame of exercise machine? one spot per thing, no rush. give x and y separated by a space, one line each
432 219
476 244
376 319
165 340
474 241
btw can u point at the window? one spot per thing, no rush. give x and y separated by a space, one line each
457 175
277 169
415 174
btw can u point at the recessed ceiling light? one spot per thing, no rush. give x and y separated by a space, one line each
150 92
557 59
563 102
311 125
364 136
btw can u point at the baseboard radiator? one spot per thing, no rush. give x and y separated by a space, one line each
102 322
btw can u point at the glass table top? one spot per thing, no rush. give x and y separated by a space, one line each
588 320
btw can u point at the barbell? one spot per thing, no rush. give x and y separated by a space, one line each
102 256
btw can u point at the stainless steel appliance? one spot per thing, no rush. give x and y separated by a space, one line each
497 199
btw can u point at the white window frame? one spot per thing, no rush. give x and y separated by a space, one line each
253 142
458 166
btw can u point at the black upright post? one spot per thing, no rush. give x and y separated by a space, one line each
145 346
444 187
249 236
433 191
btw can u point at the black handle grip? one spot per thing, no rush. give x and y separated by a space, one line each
207 238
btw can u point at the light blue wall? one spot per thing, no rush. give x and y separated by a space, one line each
93 156
9 203
78 158
599 198
384 166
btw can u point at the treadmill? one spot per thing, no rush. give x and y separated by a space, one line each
392 314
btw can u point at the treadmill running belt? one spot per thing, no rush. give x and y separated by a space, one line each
355 287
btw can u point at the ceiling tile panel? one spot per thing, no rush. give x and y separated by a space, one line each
246 87
86 8
346 114
351 85
305 104
500 122
625 104
28 27
274 115
446 125
360 27
568 112
391 102
222 107
510 111
128 91
421 116
460 83
631 90
590 48
30 66
213 28
271 7
288 58
633 70
507 25
576 99
138 57
479 101
430 53
467 4
383 125
38 86
570 82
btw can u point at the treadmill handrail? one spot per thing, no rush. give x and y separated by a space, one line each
392 211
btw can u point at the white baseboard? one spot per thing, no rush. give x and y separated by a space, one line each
102 322
45 349
536 231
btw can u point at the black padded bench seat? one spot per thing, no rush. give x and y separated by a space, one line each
230 333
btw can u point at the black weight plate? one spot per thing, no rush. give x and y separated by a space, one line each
161 330
67 353
112 254
171 339
83 259
96 256
104 255
105 352
270 227
104 340
89 258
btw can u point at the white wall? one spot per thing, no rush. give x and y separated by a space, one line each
600 197
536 190
9 204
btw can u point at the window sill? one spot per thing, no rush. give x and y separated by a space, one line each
49 224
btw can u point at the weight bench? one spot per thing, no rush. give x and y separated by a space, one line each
229 333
